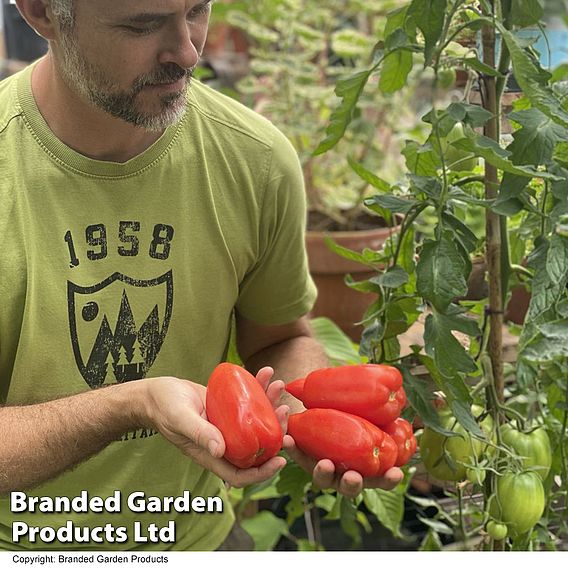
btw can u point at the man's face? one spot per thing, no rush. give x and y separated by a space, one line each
134 58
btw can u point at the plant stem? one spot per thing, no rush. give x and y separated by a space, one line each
461 517
493 225
494 252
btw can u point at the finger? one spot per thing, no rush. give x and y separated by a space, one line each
288 443
282 413
387 482
304 461
350 484
324 475
274 392
232 475
242 477
264 375
203 434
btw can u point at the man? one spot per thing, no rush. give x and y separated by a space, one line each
138 211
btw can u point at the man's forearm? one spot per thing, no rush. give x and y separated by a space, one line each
291 359
40 441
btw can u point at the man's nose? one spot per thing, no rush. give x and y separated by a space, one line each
180 48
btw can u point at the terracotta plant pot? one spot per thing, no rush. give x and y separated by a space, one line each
336 300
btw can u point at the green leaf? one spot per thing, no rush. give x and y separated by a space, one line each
474 115
431 542
533 80
437 526
549 260
429 16
462 412
372 335
534 143
388 508
304 545
508 207
477 65
491 151
265 490
293 481
421 160
392 203
549 282
441 273
395 70
526 12
557 260
460 195
345 252
555 330
393 278
368 176
348 520
511 186
396 20
326 501
450 356
420 398
365 286
349 90
265 528
545 350
465 235
430 186
407 251
389 348
337 346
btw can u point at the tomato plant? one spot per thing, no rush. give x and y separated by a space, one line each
521 192
349 441
519 501
237 405
374 392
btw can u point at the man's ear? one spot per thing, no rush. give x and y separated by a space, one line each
39 16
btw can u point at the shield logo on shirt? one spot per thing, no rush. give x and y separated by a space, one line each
118 326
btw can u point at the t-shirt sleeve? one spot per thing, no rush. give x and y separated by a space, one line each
279 289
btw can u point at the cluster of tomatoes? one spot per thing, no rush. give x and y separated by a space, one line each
518 499
352 417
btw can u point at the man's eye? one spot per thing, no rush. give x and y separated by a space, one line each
139 31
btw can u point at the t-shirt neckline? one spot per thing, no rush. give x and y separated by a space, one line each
72 159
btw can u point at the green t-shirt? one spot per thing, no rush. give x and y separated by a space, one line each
118 271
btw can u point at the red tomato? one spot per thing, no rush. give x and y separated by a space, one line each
295 388
349 441
373 392
239 407
402 433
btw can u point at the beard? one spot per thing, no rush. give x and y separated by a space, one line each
90 81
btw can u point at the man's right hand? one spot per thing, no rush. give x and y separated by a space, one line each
176 408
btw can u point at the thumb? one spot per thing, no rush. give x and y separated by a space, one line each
206 435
